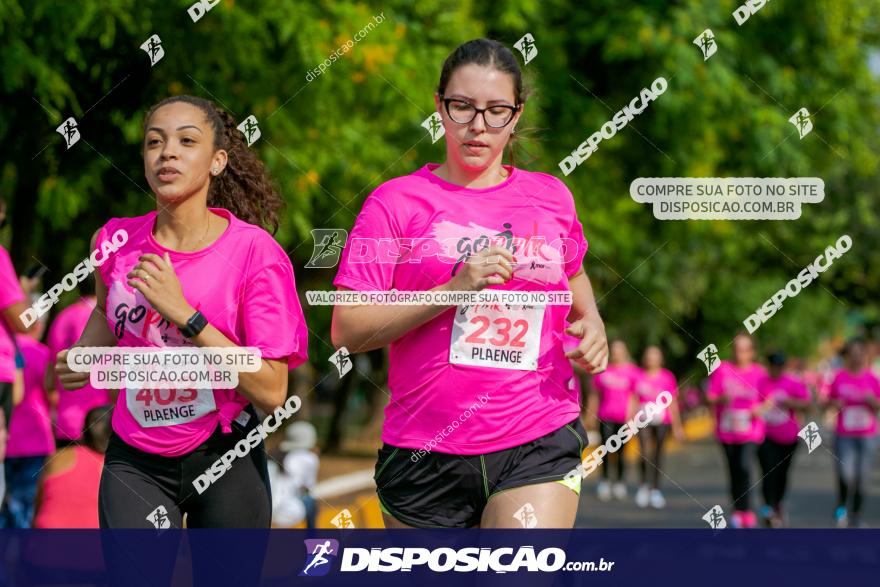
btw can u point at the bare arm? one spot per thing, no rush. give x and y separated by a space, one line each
586 324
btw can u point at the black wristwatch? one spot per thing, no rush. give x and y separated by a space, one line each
194 325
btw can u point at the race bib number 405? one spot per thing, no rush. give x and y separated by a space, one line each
501 336
167 407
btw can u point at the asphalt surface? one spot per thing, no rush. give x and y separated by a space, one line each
694 479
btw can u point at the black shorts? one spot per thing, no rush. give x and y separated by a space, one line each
450 491
144 490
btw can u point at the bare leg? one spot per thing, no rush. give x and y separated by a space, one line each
552 505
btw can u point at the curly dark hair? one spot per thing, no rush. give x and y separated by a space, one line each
243 187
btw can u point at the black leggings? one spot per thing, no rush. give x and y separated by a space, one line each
739 462
659 434
608 429
135 483
144 490
775 462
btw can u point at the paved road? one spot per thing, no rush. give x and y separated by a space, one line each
696 479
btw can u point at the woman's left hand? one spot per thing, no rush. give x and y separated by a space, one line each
155 278
592 352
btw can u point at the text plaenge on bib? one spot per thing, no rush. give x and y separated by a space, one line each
415 233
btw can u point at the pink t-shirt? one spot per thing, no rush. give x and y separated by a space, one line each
73 405
514 354
242 283
616 386
855 418
10 293
781 423
650 385
734 421
30 431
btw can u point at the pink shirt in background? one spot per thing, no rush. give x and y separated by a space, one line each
651 384
515 354
734 421
73 405
781 423
10 293
616 385
855 418
30 431
242 283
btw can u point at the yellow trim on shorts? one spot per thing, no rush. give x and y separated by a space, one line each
573 482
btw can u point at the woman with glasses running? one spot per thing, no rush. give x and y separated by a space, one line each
482 427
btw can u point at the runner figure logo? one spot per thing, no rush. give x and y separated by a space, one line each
69 130
801 121
526 46
320 554
709 356
715 518
159 518
434 126
342 360
343 519
153 47
250 129
810 434
526 516
328 247
706 43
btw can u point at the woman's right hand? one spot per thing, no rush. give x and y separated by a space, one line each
70 379
491 266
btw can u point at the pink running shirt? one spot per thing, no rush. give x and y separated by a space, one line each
244 286
515 355
734 421
73 405
30 429
10 293
781 423
616 386
651 384
855 418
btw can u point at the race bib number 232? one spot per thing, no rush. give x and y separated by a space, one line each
501 336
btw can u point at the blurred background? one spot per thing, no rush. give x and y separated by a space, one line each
329 140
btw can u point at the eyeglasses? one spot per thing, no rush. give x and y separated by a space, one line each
464 112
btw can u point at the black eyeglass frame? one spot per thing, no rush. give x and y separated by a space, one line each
478 111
